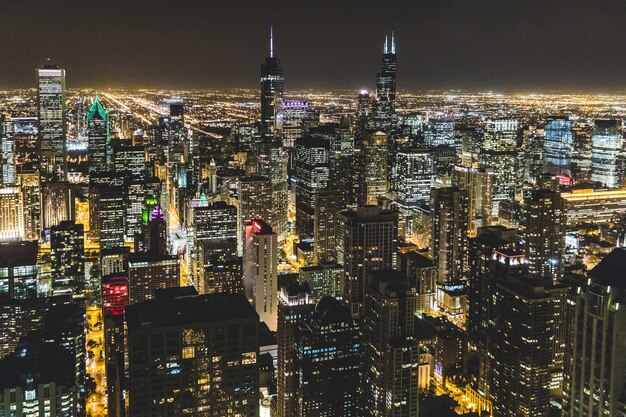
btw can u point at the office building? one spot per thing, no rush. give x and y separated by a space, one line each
147 273
207 348
272 88
328 205
390 350
18 269
546 219
524 321
254 199
328 356
375 149
99 137
295 305
67 258
368 240
29 183
384 105
11 214
57 203
325 279
422 275
260 270
479 185
107 215
449 209
607 153
312 173
52 121
595 360
558 145
415 176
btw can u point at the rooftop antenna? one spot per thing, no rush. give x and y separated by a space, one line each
386 49
393 43
271 42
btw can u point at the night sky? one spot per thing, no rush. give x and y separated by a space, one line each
522 45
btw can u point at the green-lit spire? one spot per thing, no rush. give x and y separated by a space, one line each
97 108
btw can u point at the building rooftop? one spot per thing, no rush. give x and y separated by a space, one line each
18 253
43 362
611 271
170 310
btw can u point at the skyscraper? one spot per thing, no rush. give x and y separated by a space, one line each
449 209
375 149
272 87
384 105
18 269
415 175
595 360
11 214
254 198
195 355
328 205
295 304
390 350
607 153
367 241
67 256
523 321
260 270
99 137
499 152
312 172
479 185
52 116
328 354
546 217
557 145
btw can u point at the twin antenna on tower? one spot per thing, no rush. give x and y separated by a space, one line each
393 44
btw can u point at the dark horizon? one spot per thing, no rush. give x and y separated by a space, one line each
500 46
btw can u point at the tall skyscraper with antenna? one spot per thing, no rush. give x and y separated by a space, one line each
271 157
384 106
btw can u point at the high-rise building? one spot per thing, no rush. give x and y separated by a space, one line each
193 355
607 153
367 241
390 350
57 203
272 87
557 145
440 132
11 214
328 205
107 210
328 355
546 217
38 380
114 300
67 257
295 304
449 209
218 268
499 152
28 181
254 199
312 172
147 273
479 185
595 360
422 275
325 279
7 151
482 269
384 106
298 118
52 119
99 137
415 175
376 165
523 324
260 270
18 269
